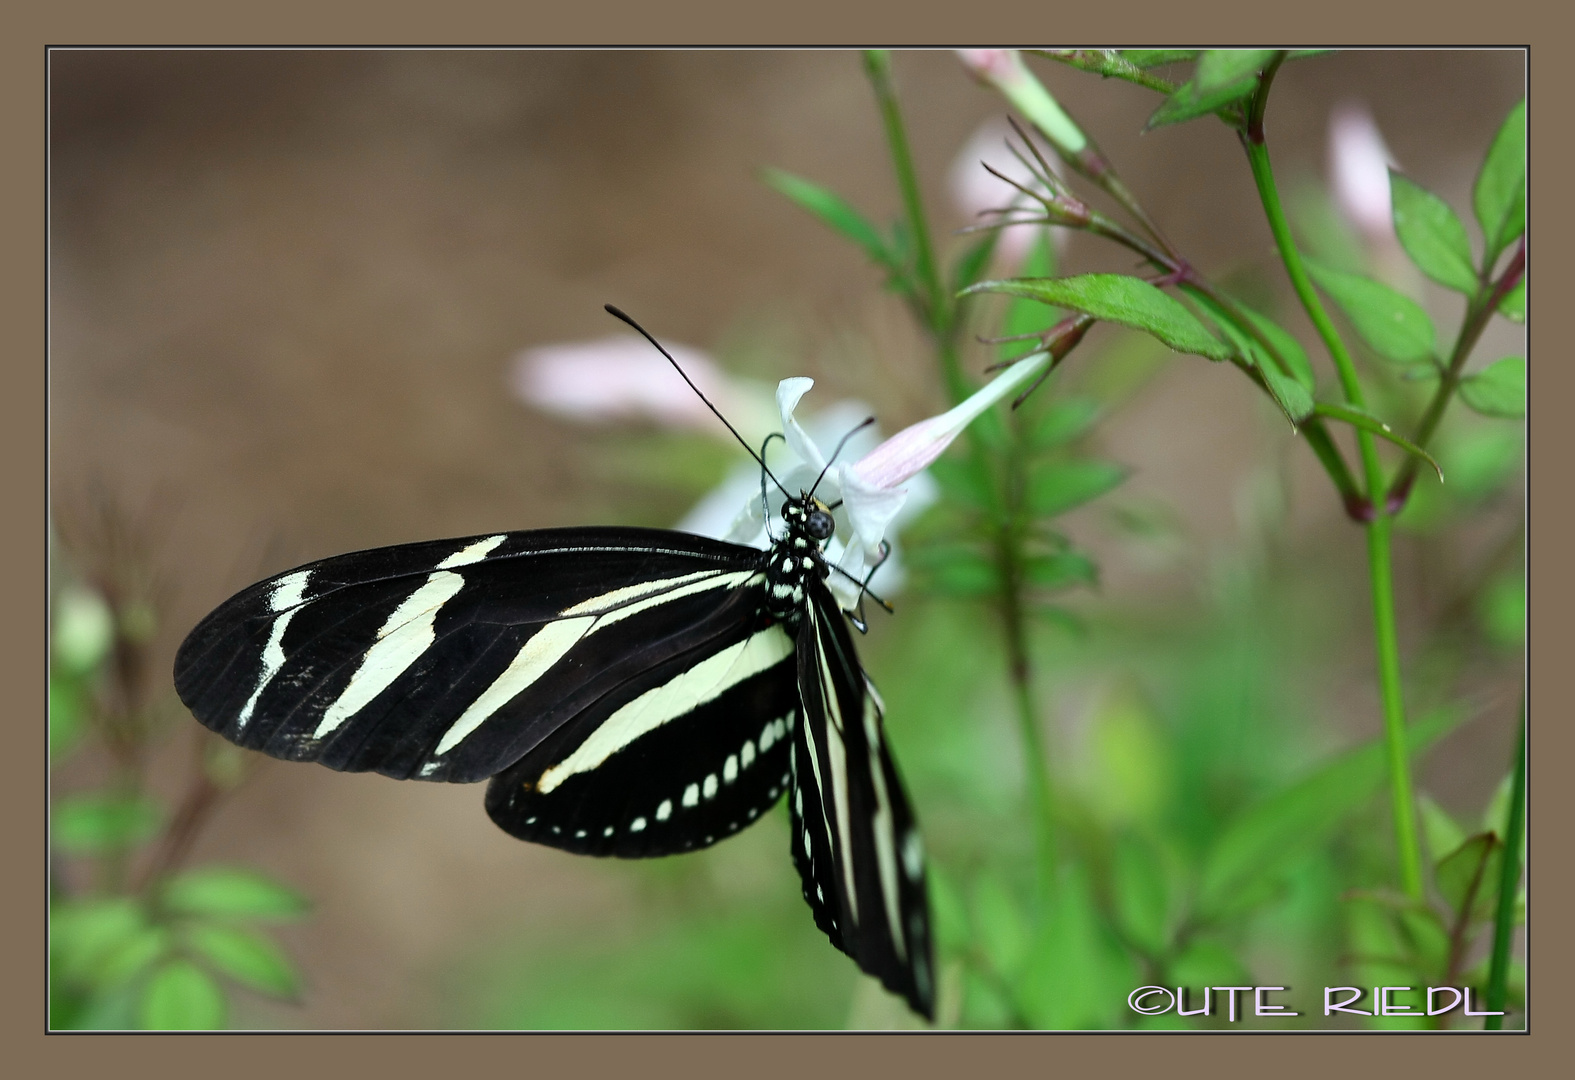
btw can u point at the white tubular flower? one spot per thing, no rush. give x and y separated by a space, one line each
1005 71
878 491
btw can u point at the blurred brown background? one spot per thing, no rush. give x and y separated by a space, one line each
286 287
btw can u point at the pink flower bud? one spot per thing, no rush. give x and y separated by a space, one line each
1359 163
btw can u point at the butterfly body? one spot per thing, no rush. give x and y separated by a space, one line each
627 692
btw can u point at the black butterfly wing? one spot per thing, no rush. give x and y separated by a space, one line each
715 768
452 660
855 841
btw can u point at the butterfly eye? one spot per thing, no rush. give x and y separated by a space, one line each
819 524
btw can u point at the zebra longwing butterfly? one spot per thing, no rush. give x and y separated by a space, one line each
629 692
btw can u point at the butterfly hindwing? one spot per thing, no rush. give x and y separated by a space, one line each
652 774
855 841
450 660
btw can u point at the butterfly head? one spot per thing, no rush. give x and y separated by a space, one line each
797 556
809 518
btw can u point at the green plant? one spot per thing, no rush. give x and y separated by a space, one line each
137 940
1109 901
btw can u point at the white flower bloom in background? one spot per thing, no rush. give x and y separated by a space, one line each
975 191
1359 163
621 378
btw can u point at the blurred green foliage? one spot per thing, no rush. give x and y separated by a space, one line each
135 941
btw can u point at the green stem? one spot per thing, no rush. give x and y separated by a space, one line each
1040 789
941 317
1387 639
1508 885
1407 842
1479 312
877 64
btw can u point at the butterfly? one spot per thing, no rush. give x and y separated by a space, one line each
626 692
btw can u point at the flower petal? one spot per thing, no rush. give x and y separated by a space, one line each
789 392
1359 163
619 377
870 507
915 446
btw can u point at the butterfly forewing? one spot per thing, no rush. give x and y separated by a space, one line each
451 660
855 841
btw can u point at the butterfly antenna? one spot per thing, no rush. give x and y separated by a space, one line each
645 334
868 420
765 507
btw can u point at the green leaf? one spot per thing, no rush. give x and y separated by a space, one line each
1495 816
247 957
1075 975
1061 570
1207 962
1151 58
963 481
1432 235
1026 316
132 957
1513 306
1063 421
1121 299
1142 894
956 570
1292 398
67 715
83 934
1226 67
232 892
1474 863
1443 832
1394 325
1424 938
835 212
953 928
1501 607
99 822
1499 195
1498 389
1265 838
1003 930
1056 487
974 261
1288 347
1368 422
1128 776
1223 76
1109 63
182 997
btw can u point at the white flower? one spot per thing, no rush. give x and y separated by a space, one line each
874 488
868 492
975 190
1359 163
734 512
622 377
